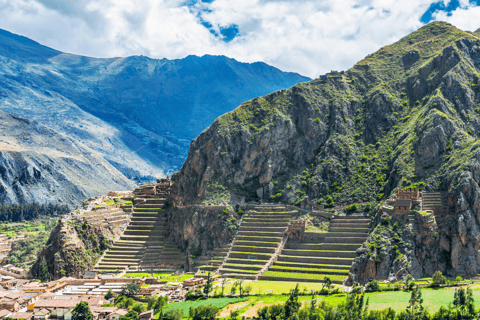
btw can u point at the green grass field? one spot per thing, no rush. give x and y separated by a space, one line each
185 306
145 274
303 275
398 300
275 287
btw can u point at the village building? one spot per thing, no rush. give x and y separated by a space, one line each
41 314
4 313
9 304
147 315
21 315
192 282
117 314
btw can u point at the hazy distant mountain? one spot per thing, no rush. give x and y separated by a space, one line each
37 164
140 113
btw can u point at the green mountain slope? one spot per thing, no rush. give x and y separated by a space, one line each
405 116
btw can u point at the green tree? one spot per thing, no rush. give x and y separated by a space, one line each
160 304
110 294
208 285
276 311
463 301
224 282
172 315
438 278
82 312
204 313
373 286
327 282
139 308
130 289
292 305
415 304
240 289
131 315
356 307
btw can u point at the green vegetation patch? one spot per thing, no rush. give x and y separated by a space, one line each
185 306
295 275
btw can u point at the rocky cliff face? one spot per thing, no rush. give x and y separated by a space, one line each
139 113
74 246
37 164
198 230
405 116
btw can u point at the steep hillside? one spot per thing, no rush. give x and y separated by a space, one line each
37 164
80 239
407 115
140 113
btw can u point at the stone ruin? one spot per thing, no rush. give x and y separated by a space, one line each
295 229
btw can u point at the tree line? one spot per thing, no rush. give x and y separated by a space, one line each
356 307
18 212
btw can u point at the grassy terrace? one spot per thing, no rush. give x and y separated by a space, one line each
144 234
307 260
257 239
296 275
308 270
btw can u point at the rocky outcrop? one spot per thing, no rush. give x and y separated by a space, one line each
405 116
74 246
200 229
37 164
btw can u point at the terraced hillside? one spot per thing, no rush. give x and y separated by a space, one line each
143 242
329 255
257 240
214 259
437 203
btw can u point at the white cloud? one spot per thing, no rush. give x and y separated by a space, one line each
310 37
466 17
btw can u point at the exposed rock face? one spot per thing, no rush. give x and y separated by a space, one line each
139 113
198 230
407 115
74 246
37 164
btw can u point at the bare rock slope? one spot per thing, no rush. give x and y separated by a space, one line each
37 164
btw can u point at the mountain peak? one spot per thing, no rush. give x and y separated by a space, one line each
22 48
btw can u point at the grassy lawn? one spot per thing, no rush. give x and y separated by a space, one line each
398 300
303 275
145 274
273 268
250 309
276 287
185 276
185 306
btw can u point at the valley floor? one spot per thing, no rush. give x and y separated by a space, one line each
270 293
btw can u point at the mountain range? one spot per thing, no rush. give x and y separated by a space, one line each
138 113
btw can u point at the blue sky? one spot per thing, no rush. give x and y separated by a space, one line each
304 36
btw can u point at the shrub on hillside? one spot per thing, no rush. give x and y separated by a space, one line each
352 208
373 286
438 278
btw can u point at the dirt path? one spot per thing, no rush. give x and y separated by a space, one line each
232 307
252 312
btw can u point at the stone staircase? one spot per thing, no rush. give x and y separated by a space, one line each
257 240
437 202
143 242
214 260
330 254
